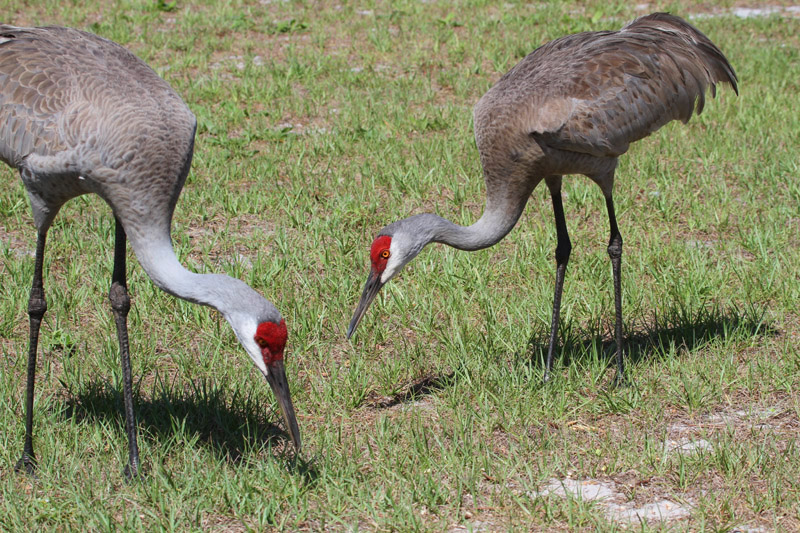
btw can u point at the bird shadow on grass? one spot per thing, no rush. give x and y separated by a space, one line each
232 425
678 330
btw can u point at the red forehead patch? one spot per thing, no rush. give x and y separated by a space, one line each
271 337
378 246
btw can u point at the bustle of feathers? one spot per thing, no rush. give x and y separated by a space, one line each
594 93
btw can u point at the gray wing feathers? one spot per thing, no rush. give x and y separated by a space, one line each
30 97
86 99
711 58
597 92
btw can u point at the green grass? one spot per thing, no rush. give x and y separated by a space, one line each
318 124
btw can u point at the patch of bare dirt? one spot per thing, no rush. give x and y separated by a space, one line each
614 502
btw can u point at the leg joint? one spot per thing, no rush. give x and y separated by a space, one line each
120 301
615 247
563 250
37 305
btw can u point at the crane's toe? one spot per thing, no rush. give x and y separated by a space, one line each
27 464
132 472
620 381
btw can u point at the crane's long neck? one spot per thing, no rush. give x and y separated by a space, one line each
499 218
227 295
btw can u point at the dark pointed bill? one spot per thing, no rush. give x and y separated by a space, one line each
276 377
371 289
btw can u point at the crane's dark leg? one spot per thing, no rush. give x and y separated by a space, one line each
121 304
37 305
563 249
615 253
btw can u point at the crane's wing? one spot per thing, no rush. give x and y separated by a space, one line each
597 92
34 91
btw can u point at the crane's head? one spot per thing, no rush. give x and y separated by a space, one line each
392 249
265 343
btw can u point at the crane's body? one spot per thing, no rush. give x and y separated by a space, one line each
80 114
572 106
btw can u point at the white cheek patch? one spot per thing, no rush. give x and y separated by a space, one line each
254 352
245 330
392 265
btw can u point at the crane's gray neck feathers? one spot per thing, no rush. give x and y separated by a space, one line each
495 223
236 300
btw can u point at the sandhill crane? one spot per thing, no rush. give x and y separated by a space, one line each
572 106
80 114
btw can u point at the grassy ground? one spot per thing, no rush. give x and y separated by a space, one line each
319 123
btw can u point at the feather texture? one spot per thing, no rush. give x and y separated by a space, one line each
596 92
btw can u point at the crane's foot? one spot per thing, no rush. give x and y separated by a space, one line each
27 464
132 472
620 381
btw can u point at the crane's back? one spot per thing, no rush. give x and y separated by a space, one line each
594 93
84 114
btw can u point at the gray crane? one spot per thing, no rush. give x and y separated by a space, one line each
572 106
80 114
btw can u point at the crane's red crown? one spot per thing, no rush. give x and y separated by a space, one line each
379 254
271 338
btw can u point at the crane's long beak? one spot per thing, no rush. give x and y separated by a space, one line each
371 289
276 377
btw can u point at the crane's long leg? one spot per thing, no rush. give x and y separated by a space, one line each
37 305
121 304
563 249
615 253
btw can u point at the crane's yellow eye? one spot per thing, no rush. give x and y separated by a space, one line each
385 254
261 342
